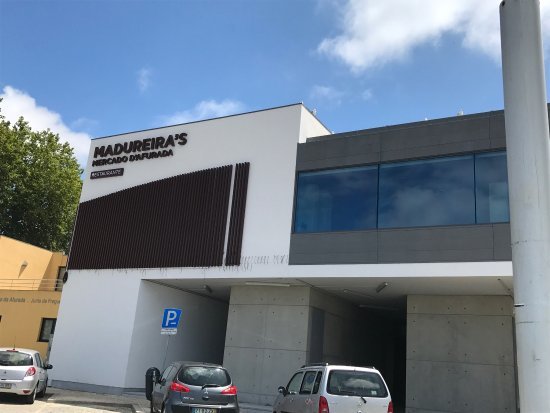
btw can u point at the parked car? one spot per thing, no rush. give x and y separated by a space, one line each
189 387
22 372
325 388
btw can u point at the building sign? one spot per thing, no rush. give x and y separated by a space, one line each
107 173
138 150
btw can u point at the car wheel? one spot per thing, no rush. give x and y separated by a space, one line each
42 392
29 399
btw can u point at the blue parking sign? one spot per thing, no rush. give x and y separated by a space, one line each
171 318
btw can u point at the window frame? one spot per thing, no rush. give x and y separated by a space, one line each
41 330
378 165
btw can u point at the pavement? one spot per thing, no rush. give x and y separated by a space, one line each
70 401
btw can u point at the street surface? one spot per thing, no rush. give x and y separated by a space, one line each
66 401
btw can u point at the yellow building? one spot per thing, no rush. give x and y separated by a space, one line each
30 292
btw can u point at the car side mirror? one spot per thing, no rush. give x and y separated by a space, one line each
282 390
48 367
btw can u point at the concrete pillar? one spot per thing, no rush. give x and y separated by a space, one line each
266 338
460 354
528 148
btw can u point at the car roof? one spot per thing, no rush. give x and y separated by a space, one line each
338 367
197 364
21 350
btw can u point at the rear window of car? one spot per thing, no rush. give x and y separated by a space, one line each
356 383
200 376
15 358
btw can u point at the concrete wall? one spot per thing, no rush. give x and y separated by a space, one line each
201 332
460 354
267 334
339 328
271 331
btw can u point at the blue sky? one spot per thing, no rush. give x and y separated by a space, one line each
90 68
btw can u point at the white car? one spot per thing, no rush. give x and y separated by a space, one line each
325 388
22 372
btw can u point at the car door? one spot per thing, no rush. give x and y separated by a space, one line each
286 404
160 388
42 374
304 401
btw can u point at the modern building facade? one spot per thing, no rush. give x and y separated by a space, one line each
284 244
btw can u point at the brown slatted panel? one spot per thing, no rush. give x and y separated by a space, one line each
238 207
174 222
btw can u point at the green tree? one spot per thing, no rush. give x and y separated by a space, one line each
39 186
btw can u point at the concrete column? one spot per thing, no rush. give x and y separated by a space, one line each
528 148
460 354
266 339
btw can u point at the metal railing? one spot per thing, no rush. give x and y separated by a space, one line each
31 285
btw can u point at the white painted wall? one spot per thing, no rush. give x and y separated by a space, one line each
94 328
201 332
267 139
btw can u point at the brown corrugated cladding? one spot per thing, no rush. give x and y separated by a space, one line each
238 207
175 222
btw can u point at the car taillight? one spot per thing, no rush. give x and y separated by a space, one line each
323 405
180 388
230 390
390 407
30 372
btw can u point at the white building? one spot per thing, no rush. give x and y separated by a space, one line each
284 244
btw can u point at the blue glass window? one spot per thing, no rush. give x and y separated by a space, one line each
491 188
336 200
427 193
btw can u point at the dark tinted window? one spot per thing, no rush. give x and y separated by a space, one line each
308 382
166 373
336 200
427 193
47 329
491 188
15 358
200 375
356 383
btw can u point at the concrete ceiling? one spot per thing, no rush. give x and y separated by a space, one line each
391 294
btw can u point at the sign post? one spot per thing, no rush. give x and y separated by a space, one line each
169 327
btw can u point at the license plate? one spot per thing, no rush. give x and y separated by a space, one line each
202 410
5 385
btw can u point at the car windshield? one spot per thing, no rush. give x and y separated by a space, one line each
202 375
15 358
356 383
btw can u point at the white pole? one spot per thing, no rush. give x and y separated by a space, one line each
528 154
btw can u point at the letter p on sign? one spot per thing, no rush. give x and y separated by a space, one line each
171 318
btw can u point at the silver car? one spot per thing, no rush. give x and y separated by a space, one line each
325 388
22 372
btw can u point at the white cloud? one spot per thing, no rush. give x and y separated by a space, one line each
16 103
205 109
375 32
367 94
144 79
326 93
